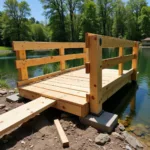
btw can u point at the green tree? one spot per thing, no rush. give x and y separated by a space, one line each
133 10
144 22
105 9
39 32
15 23
55 10
118 27
89 18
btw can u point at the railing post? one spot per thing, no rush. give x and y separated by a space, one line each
22 72
134 62
95 56
62 62
121 64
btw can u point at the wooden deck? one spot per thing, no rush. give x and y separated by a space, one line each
71 89
79 90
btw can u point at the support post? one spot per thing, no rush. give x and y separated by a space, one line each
62 62
121 64
22 72
134 62
95 56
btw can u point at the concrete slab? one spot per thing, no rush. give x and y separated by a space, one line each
13 98
105 122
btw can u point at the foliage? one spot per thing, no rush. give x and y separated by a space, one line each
5 48
3 84
49 68
144 22
69 20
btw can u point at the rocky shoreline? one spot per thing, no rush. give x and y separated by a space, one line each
40 133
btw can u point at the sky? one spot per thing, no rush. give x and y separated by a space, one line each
35 6
37 10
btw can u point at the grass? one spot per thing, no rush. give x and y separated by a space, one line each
49 69
5 48
3 84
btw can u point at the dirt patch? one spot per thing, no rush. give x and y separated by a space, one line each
40 133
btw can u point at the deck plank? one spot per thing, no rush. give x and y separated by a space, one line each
57 95
60 89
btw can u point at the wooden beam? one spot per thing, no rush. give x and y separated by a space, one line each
135 61
95 54
107 41
107 63
78 110
116 88
17 46
46 60
22 72
35 79
23 114
121 64
62 135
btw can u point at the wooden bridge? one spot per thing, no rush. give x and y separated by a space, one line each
79 90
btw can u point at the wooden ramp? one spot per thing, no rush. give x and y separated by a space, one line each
14 118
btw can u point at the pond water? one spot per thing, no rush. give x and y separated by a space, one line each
134 100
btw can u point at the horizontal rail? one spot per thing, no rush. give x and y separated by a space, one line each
106 63
18 46
46 60
111 42
35 79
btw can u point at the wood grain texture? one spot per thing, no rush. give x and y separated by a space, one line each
62 135
17 46
23 114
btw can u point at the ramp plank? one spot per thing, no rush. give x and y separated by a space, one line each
17 116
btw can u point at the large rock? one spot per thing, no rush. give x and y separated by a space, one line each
132 141
101 139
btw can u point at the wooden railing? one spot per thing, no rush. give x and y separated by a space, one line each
22 63
94 67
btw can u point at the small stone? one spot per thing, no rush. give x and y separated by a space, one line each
29 138
121 127
90 140
3 92
147 127
31 146
2 106
23 142
118 136
11 91
65 129
7 109
128 147
1 95
101 139
74 126
55 137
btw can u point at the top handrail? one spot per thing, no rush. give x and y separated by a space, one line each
17 46
111 42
